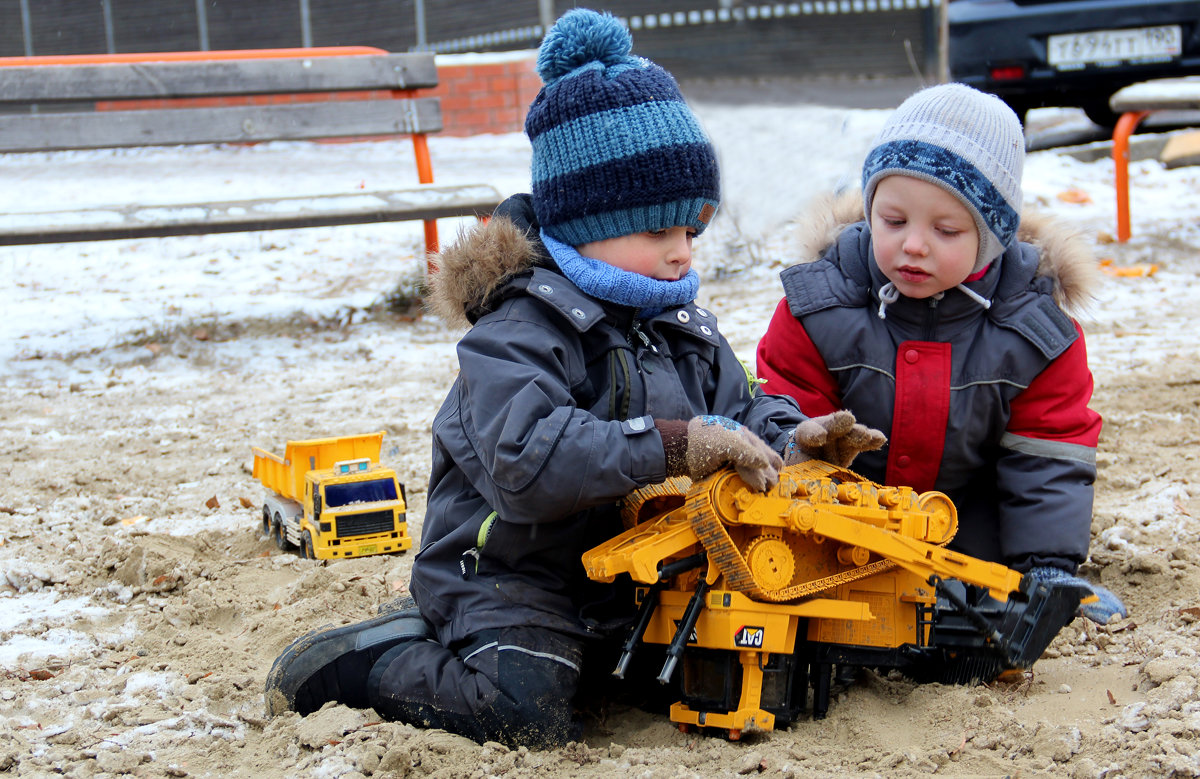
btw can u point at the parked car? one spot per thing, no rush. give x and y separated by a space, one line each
1037 53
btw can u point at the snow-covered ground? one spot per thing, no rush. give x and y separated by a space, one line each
65 300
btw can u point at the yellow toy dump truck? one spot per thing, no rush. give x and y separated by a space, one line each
758 597
331 498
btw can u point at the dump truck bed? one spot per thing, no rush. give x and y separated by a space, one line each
285 475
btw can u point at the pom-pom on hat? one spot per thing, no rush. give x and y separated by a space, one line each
965 141
616 150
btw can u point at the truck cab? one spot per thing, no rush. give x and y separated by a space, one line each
355 508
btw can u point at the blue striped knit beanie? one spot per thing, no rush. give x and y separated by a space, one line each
616 150
965 141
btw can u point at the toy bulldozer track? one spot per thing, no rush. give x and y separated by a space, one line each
762 595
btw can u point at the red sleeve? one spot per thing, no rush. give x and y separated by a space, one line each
1055 405
789 364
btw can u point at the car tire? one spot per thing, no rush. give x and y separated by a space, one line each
1098 111
266 522
306 546
1019 107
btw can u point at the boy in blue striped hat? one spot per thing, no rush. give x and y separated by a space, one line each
588 372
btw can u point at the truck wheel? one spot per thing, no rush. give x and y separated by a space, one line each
277 532
266 522
306 546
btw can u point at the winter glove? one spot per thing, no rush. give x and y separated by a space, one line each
702 445
1099 611
834 438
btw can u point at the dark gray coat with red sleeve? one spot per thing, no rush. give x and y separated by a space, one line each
988 405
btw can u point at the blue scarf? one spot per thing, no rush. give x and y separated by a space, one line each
626 288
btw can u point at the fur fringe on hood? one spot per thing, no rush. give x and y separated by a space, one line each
473 268
1065 253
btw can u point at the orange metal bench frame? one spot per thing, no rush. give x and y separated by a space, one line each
1120 152
1133 104
419 140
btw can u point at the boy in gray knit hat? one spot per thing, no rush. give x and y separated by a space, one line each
587 372
933 322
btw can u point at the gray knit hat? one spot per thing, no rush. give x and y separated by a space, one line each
965 141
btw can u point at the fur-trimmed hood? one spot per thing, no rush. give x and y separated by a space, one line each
474 268
1065 253
482 258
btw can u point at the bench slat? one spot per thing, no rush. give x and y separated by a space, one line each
135 80
430 201
229 124
1167 94
52 107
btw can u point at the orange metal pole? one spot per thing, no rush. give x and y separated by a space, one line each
1120 151
425 176
424 164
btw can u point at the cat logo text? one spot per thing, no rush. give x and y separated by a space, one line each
749 637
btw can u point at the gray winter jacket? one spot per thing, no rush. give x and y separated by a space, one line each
549 425
988 405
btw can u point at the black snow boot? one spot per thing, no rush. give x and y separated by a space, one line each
333 663
402 603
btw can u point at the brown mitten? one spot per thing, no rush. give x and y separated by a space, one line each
702 445
834 438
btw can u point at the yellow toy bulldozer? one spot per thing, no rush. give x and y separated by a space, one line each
760 596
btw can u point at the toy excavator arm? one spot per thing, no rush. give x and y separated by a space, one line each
921 558
640 550
852 514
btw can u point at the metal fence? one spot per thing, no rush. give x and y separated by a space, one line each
693 38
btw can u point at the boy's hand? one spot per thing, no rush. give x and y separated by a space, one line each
836 438
1106 606
713 441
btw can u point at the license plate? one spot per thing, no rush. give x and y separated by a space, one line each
1113 47
365 550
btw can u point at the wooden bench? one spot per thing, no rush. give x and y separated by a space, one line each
165 99
1134 103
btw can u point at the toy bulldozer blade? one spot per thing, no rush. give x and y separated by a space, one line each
759 596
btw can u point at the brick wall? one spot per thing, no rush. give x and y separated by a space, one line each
480 93
486 93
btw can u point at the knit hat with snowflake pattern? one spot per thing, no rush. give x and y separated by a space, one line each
616 150
965 141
